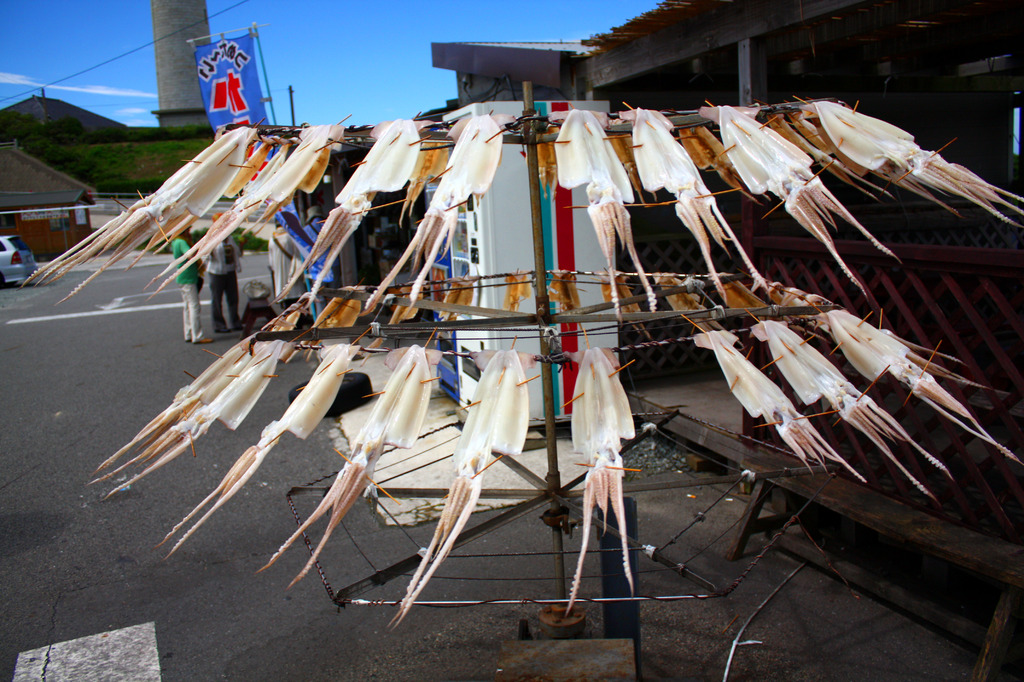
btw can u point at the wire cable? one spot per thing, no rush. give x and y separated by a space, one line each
125 54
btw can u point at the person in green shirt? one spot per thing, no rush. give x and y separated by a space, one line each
188 282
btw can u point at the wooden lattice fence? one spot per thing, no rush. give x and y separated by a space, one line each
968 301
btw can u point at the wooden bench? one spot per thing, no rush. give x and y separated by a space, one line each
995 560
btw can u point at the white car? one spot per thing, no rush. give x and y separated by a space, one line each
16 260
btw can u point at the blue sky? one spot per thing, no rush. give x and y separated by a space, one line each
370 60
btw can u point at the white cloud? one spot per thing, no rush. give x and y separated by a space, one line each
15 79
104 90
18 79
131 111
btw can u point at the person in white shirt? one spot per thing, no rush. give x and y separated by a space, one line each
285 261
222 268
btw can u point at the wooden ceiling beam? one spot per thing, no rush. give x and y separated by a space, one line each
952 44
866 25
718 28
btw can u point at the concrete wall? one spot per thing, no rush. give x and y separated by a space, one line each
180 101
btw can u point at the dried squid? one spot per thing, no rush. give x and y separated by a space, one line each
276 184
396 419
892 153
517 289
461 292
663 163
181 199
160 432
563 290
762 398
496 423
873 352
387 167
600 419
813 377
301 417
229 389
469 172
430 163
767 162
586 156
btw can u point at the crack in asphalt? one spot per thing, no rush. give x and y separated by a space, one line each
53 631
20 476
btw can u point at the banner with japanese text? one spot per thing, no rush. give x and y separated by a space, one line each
230 82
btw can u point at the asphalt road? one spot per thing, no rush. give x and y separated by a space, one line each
80 379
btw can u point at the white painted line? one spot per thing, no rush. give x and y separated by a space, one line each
122 301
125 655
94 313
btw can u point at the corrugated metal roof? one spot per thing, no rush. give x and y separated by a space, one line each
24 199
667 12
575 47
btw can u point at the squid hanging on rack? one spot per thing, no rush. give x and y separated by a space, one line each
461 292
163 215
301 417
469 172
497 423
200 392
387 167
563 290
682 300
873 352
707 152
547 166
517 289
823 158
767 162
229 389
275 185
813 377
890 152
430 163
762 398
663 163
616 289
585 155
339 312
622 145
600 419
396 419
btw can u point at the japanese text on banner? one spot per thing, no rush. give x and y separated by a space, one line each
229 82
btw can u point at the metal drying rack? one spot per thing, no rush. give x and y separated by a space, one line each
548 491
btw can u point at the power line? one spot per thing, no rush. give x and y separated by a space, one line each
123 54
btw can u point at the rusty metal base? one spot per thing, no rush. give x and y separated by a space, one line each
557 624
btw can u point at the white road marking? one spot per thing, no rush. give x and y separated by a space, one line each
121 301
128 655
94 313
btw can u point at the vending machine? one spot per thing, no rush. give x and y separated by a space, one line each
495 236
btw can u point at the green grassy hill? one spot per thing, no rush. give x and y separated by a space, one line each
111 160
131 166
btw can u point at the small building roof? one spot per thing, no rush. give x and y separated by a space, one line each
537 62
50 109
20 172
57 198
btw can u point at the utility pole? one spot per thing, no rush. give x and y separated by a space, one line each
291 100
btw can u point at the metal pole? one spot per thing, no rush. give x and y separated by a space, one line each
540 284
259 48
291 101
